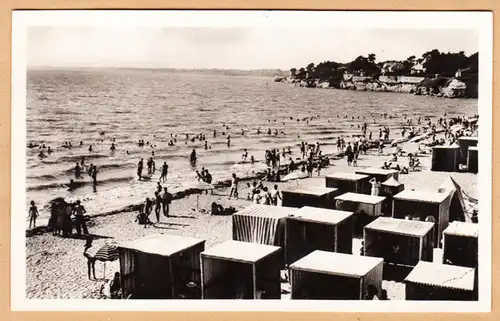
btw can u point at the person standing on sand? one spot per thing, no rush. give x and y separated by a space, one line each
166 199
78 171
349 153
33 214
90 259
234 187
78 211
164 172
375 186
275 195
140 166
94 176
158 202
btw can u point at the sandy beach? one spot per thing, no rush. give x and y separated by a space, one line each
56 267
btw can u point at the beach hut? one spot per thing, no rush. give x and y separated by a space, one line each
421 205
441 282
400 242
465 143
456 199
263 224
389 188
161 267
312 228
472 160
365 207
460 244
316 196
325 275
380 174
234 269
445 158
349 182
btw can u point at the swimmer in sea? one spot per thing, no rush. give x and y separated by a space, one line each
192 157
206 145
258 131
49 151
42 155
252 159
245 155
90 149
228 141
113 147
71 185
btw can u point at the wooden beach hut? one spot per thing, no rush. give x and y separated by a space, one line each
445 158
349 182
460 244
380 174
161 267
263 224
441 282
400 242
421 205
456 199
465 143
315 196
388 189
325 275
242 270
312 228
472 160
365 207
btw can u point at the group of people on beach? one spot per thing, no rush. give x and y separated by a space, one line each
161 200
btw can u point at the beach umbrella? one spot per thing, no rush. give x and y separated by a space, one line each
108 252
295 176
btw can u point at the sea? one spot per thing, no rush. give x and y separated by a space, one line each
98 106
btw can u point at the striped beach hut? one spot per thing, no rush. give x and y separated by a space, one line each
262 224
241 270
161 267
325 275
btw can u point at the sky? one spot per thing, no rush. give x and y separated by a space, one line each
232 48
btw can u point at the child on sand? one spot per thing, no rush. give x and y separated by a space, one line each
33 213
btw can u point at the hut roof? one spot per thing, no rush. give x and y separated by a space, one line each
401 227
347 176
240 251
442 275
462 229
320 215
310 190
337 263
162 244
258 210
376 171
391 181
427 197
360 198
473 148
453 146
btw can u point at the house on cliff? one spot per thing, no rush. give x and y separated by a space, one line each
454 88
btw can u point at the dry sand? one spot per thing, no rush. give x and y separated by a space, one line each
56 267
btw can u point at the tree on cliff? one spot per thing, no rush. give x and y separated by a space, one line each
371 58
301 74
293 72
364 64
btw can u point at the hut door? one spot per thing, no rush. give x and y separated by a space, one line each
153 277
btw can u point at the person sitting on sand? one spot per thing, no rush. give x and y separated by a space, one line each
256 196
371 293
251 190
145 210
265 197
33 214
